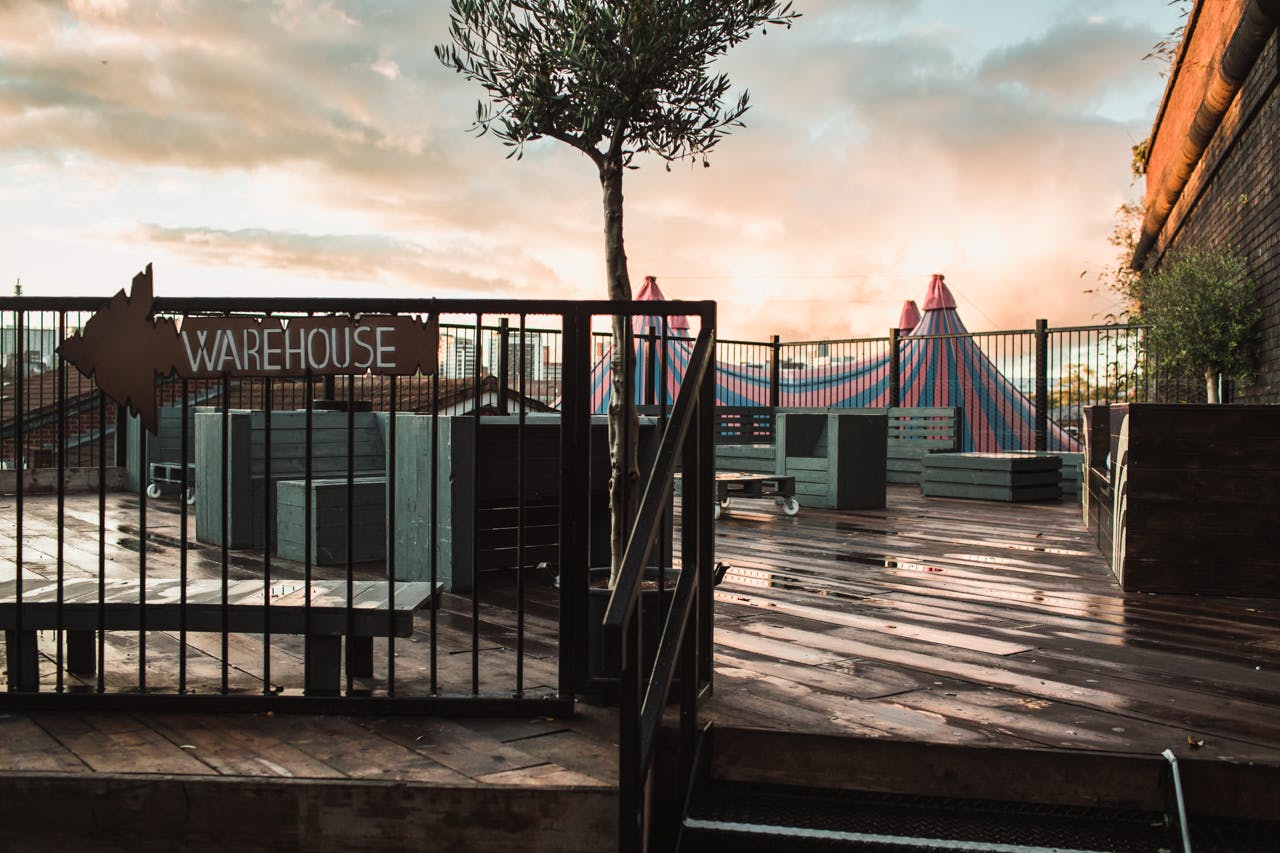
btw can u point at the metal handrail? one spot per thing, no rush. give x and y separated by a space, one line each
645 529
640 713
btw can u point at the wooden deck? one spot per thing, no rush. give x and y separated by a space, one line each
976 622
933 620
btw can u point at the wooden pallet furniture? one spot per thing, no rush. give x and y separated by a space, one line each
325 624
479 525
779 488
250 484
330 509
747 458
744 425
914 433
836 457
992 476
1192 499
1072 471
163 448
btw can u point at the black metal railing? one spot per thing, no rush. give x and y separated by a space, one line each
192 549
1053 373
686 639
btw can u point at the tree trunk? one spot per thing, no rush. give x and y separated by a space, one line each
624 425
1211 385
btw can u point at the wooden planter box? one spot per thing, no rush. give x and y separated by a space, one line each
1194 498
837 459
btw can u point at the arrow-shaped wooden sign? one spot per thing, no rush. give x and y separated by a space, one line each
123 347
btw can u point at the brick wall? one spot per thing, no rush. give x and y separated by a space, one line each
1233 200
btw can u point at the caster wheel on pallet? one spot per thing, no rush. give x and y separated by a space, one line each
791 506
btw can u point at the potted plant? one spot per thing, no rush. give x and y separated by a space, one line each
1202 312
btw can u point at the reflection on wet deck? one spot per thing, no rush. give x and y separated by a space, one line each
975 622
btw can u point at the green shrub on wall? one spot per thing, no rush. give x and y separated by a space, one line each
1202 312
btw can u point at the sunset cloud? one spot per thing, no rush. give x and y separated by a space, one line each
321 146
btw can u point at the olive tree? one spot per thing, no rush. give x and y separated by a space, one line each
614 79
1202 313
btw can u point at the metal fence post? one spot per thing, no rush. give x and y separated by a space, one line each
504 364
775 370
575 499
1042 384
895 383
651 367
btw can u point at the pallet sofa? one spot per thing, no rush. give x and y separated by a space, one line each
746 439
914 433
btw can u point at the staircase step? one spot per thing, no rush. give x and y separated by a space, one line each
748 817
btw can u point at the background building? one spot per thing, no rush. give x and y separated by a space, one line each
1214 161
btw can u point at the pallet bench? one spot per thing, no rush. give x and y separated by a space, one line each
324 624
992 476
914 434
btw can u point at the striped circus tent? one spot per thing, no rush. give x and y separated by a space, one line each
909 318
940 365
953 371
679 347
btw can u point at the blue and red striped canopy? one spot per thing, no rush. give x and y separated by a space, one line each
940 365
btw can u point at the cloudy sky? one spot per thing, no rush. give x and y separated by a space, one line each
317 147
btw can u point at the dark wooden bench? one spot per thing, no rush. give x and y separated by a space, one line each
323 624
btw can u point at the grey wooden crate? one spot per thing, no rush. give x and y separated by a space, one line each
1011 494
1072 470
329 514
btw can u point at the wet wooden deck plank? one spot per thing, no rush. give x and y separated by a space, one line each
119 743
1152 668
238 745
29 748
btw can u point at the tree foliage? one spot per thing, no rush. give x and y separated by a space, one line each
612 78
1202 313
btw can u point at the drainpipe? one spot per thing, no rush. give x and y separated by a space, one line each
1259 21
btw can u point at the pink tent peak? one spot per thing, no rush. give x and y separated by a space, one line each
910 317
650 291
939 296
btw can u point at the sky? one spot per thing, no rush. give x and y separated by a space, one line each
317 147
